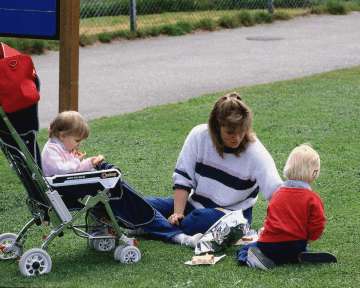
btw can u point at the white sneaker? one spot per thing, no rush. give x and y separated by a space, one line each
187 240
256 259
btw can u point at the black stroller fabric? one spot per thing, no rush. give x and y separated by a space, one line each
128 206
26 123
131 209
14 154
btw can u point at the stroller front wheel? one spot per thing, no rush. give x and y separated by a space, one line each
103 245
7 241
127 254
35 262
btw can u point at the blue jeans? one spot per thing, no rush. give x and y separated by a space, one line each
195 220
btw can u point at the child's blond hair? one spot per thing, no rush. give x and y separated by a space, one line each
69 123
303 164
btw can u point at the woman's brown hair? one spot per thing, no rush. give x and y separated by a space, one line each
230 112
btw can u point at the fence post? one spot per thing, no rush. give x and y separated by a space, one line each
132 15
270 4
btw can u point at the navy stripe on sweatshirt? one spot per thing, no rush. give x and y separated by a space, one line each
182 173
208 203
223 177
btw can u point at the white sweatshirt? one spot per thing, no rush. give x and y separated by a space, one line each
231 182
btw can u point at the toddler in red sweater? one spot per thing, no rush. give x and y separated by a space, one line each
295 217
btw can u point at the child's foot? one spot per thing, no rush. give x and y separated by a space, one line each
317 257
187 240
256 259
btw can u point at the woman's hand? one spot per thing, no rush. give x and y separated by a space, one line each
97 159
175 218
180 199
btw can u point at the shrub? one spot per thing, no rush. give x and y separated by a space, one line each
29 46
263 17
172 30
229 21
354 6
105 37
185 26
131 35
206 24
281 15
246 19
37 47
153 31
85 40
318 9
336 8
121 34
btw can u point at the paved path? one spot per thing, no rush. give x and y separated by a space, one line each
126 76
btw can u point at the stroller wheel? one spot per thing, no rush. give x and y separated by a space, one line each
35 262
102 245
7 240
127 254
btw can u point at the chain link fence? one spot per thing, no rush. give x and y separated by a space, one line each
98 16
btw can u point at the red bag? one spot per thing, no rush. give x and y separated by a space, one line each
17 80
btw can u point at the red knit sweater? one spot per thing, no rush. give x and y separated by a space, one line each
293 214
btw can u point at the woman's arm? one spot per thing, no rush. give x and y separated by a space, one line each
264 171
180 199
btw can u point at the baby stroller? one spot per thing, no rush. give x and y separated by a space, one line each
99 200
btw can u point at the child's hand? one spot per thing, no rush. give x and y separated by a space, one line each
97 160
78 154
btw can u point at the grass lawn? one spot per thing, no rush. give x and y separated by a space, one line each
323 110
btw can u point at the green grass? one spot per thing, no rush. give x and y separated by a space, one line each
323 110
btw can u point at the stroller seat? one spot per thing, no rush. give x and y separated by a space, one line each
129 208
77 185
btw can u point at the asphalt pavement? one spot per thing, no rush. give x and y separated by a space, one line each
126 76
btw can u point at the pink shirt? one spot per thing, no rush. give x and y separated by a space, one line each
55 159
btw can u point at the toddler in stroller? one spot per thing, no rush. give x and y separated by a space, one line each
63 200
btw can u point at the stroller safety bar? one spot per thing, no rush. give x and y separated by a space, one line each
107 178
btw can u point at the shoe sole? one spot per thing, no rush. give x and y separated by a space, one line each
264 262
317 257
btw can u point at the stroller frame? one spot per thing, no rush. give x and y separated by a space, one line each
49 208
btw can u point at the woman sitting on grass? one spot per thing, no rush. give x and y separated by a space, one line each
295 217
222 167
